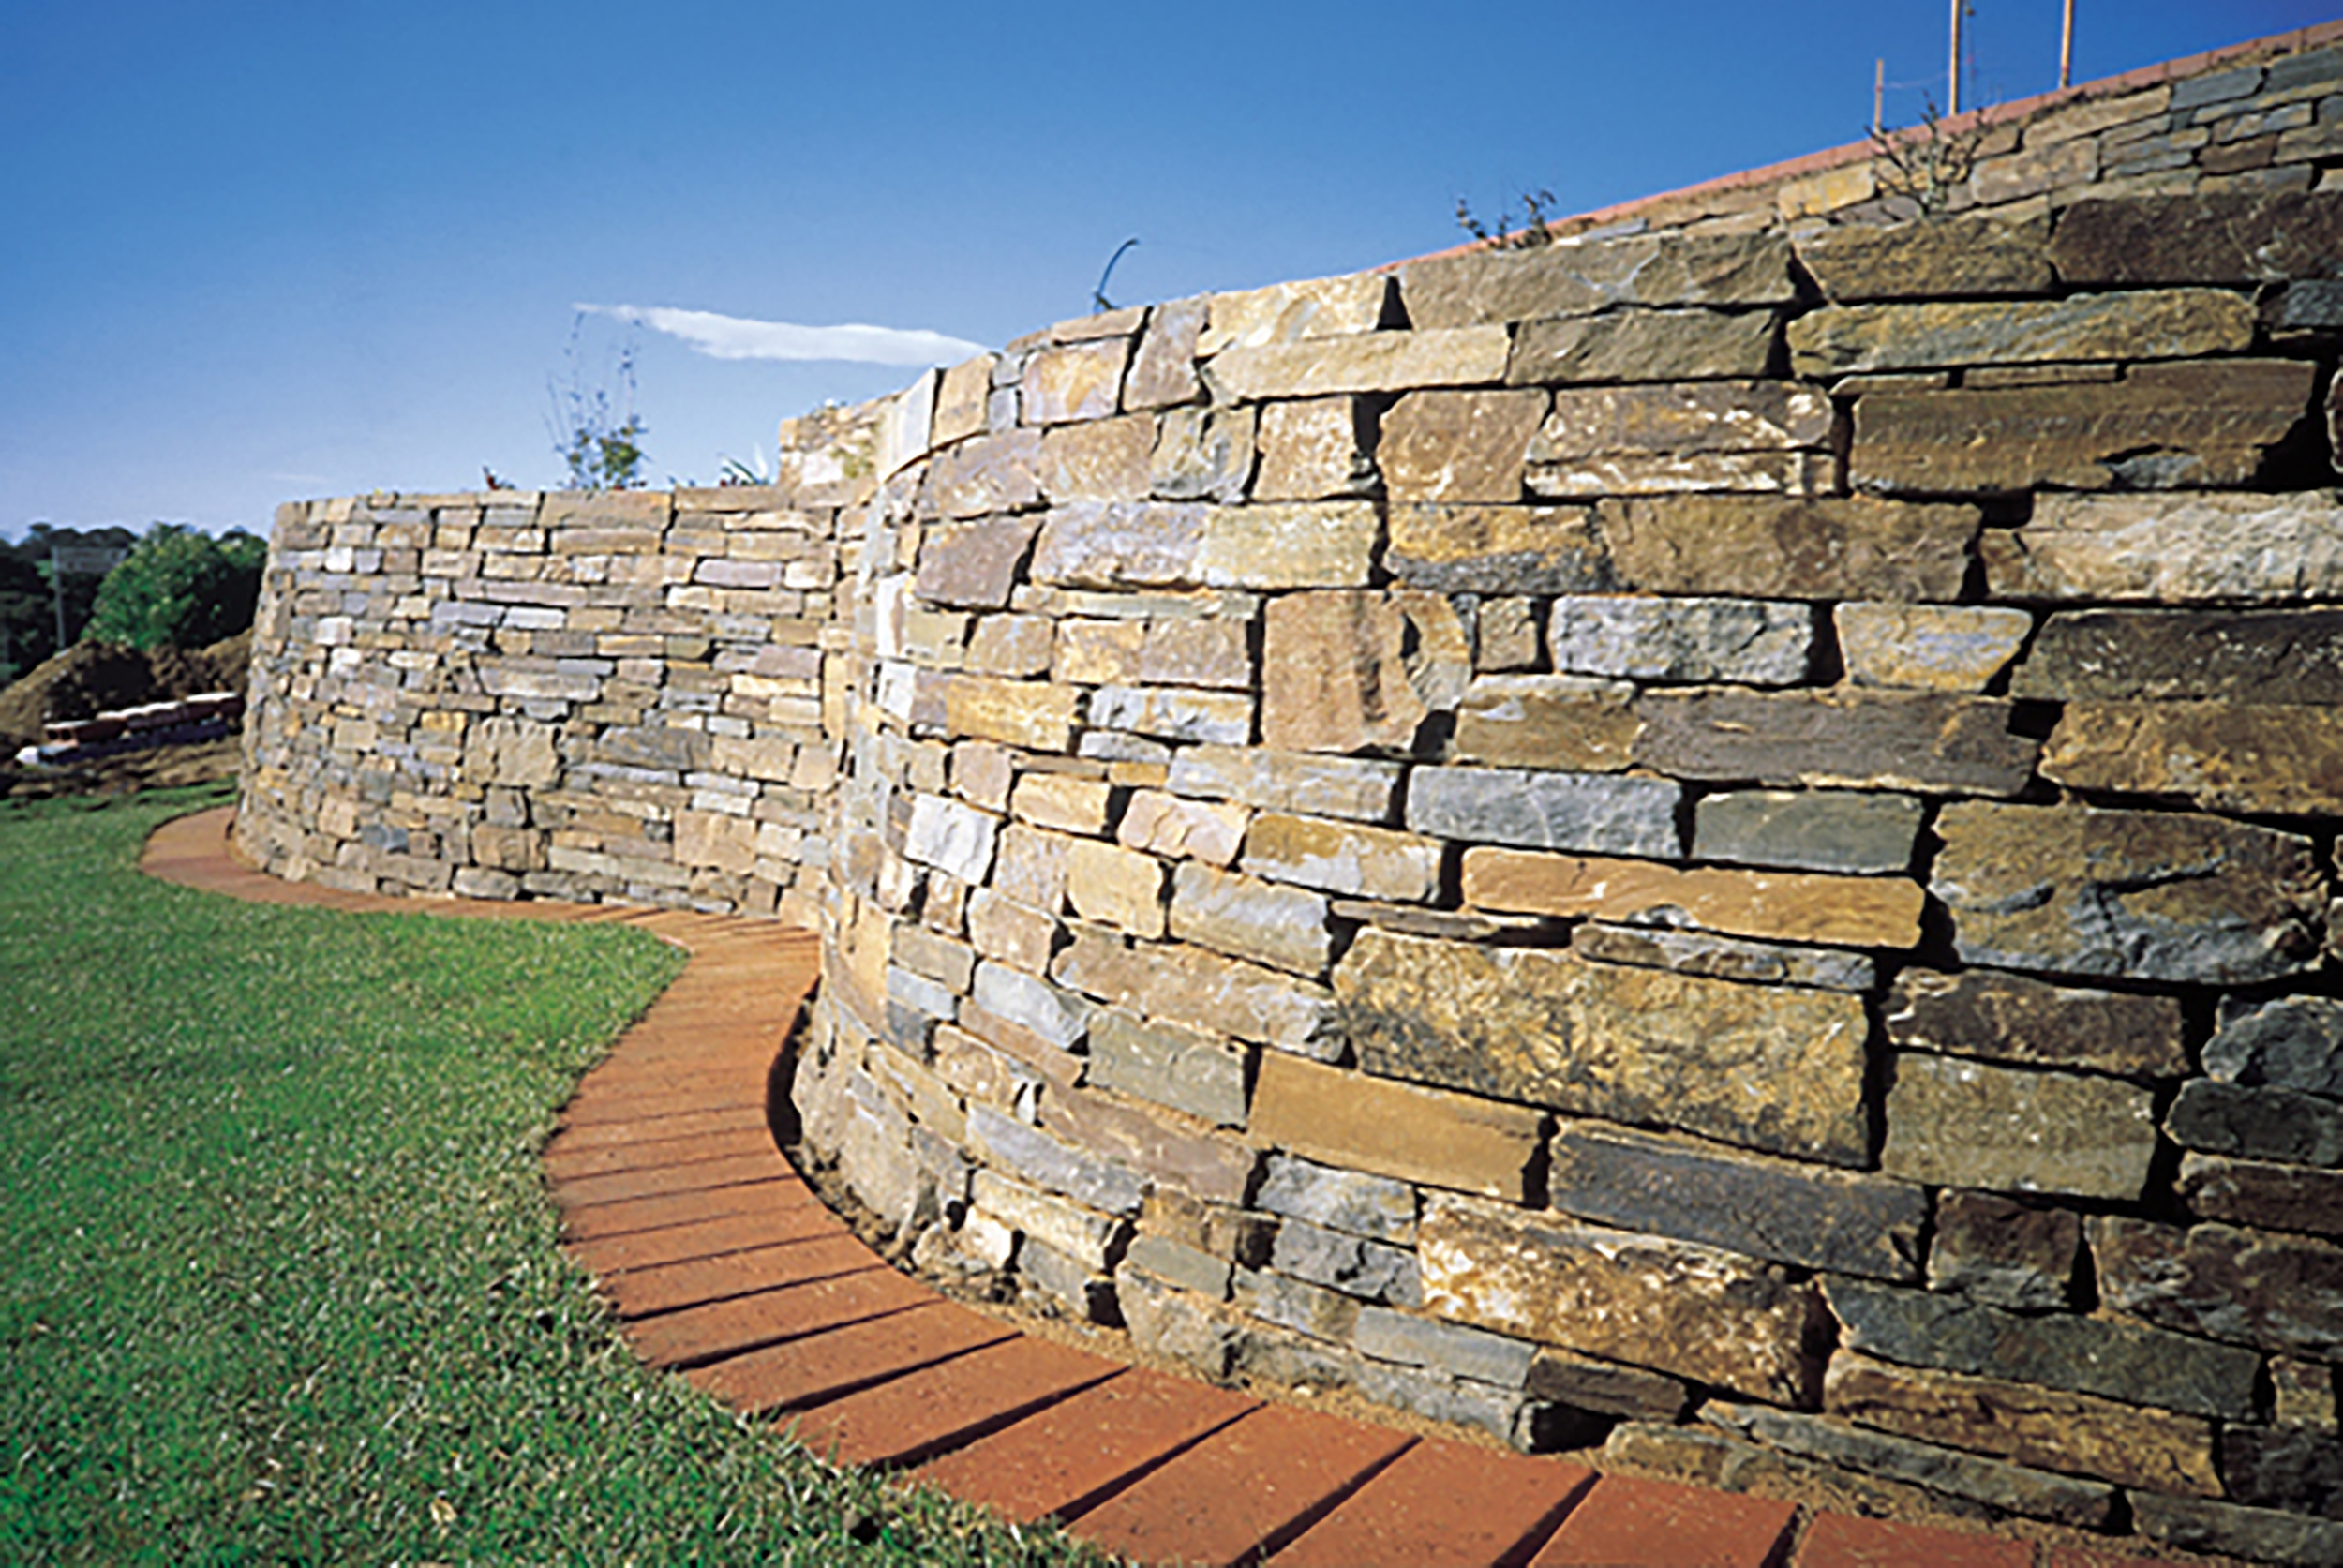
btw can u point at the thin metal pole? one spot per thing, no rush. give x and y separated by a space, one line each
56 592
2067 49
1879 90
1958 7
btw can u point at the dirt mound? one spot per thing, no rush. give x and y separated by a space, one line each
93 677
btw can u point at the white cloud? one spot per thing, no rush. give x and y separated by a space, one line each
738 338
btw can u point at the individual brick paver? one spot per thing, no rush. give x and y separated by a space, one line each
1627 1522
955 1402
1445 1505
1246 1489
651 1163
1843 1541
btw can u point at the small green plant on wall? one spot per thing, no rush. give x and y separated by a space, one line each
1532 234
1925 167
598 434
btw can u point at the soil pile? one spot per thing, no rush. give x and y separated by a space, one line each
95 678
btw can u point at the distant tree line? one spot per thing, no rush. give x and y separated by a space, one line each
176 585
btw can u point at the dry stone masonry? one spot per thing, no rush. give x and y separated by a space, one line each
1719 837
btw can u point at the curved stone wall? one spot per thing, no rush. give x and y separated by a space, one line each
1720 835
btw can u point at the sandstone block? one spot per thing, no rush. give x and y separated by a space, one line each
2055 1430
1368 361
1342 857
2253 1192
1201 454
1172 829
1065 801
1209 651
1034 1004
1174 713
2244 656
1723 958
954 837
993 474
1754 641
1044 1162
1644 346
1855 739
1761 547
2148 895
1251 920
1399 1131
1958 1123
2256 1124
1496 549
1930 647
1030 714
1588 1385
2283 1294
2173 549
973 565
1775 1071
1570 723
1579 278
1105 459
1994 1249
1458 446
1349 787
1693 1311
1296 312
1032 868
2085 1355
1001 928
1134 1139
1115 886
2162 427
1346 671
1592 812
1789 1211
1450 1348
1163 370
960 401
1119 544
1829 830
1375 1207
2008 1018
1009 645
1096 1240
2294 1042
1202 990
1960 258
1356 1267
515 752
1637 473
2233 237
1314 449
1077 382
2264 1534
2264 758
1792 906
2168 323
1690 417
1286 544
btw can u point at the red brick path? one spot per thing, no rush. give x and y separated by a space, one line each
725 1266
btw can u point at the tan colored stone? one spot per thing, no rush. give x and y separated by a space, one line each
1176 830
1063 801
1352 787
1458 446
2076 1433
1954 1122
1579 277
959 399
1103 460
1202 455
1575 723
1202 988
1826 191
1285 544
1929 647
1687 417
1011 645
1644 346
1766 548
1029 713
1844 737
1354 671
1343 857
2173 549
1358 1123
1698 1311
711 839
1788 907
1082 380
1211 652
1370 362
1773 1069
1496 549
2261 758
1314 449
1011 932
1163 371
1245 918
1295 312
1960 258
1784 473
501 751
1115 887
973 565
2167 323
1216 1167
993 474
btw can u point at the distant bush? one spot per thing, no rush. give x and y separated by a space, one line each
180 587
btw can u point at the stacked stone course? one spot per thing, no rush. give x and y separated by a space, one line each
1718 838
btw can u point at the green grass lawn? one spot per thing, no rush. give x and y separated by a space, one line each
278 1279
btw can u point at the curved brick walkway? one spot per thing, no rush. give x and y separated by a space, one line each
725 1266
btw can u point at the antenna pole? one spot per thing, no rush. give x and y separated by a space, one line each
1879 90
1958 7
2067 49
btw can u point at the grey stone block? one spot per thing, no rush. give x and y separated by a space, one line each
1593 813
1376 1207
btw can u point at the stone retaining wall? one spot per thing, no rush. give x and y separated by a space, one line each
1723 839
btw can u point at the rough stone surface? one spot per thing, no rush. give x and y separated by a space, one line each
2262 1534
1350 787
2252 1192
1172 829
1755 642
1200 455
1010 1144
1775 1071
951 837
1829 830
1357 671
1171 1063
1119 544
1202 990
1962 257
1029 713
1370 361
2294 1042
1855 739
1791 906
1496 549
1356 1267
1643 473
1606 1387
2229 237
1994 1249
1315 448
1695 416
1174 713
1760 547
2147 895
1342 857
1150 1147
2266 656
1723 958
2256 1124
2279 759
1458 446
1395 1129
1644 346
2298 1471
2283 1294
2008 1018
1930 647
1105 459
1082 380
1248 919
1375 1207
2085 1355
1583 277
1789 1211
2176 550
1568 723
1207 651
1958 1123
993 474
1163 370
2037 1427
2172 324
1296 312
1592 812
2162 427
1450 1348
1691 1310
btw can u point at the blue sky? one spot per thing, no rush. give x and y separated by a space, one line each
263 251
